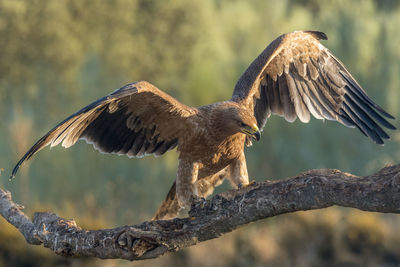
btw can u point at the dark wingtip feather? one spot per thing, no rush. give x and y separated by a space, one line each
22 160
318 35
352 94
33 150
357 89
390 116
15 170
390 126
361 113
362 125
346 120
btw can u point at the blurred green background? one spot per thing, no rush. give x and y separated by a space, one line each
58 56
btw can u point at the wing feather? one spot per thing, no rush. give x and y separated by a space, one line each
294 97
320 100
274 98
312 69
311 102
296 76
135 120
300 104
285 97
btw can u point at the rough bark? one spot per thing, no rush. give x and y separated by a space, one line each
210 219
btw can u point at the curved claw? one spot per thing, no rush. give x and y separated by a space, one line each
196 199
252 183
257 136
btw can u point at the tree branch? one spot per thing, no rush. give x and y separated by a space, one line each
210 219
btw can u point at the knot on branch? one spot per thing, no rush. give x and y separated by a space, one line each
49 227
141 244
51 223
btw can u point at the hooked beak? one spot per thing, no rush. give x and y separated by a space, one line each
253 132
257 135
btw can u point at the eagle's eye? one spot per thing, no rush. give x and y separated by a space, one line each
243 124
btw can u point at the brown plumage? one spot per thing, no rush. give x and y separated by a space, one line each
295 76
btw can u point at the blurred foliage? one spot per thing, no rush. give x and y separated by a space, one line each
58 56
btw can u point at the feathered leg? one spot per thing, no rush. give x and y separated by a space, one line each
205 186
238 172
186 186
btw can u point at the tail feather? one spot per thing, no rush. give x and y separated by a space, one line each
170 206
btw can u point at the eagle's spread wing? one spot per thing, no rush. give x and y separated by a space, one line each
296 76
136 120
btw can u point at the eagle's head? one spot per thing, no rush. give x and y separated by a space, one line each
232 118
246 123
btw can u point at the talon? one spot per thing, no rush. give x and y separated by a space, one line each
252 183
197 199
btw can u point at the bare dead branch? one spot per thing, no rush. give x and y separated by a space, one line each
210 219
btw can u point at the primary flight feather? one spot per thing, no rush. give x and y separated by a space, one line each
295 76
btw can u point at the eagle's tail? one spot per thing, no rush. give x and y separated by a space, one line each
170 207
